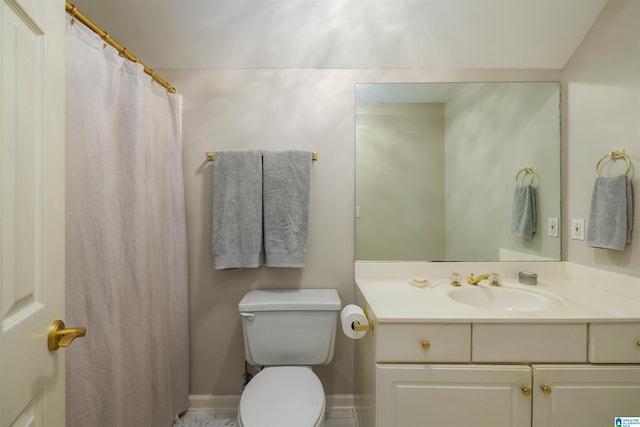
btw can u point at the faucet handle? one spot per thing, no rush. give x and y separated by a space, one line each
495 279
455 279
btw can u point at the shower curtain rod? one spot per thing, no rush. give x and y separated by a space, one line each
73 11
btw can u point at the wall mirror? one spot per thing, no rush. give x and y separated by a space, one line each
436 167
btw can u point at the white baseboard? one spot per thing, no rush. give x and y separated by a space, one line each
213 404
217 404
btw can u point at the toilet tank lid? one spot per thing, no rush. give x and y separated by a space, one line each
291 300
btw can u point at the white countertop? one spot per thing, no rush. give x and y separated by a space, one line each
393 300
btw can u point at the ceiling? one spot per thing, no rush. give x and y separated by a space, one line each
347 33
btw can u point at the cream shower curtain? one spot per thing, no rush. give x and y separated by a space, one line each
126 242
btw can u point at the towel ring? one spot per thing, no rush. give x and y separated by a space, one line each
528 170
614 155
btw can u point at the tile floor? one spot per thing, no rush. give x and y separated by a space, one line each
334 419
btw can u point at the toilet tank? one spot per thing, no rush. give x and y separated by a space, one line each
289 327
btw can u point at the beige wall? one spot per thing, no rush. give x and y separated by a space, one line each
314 109
601 86
279 108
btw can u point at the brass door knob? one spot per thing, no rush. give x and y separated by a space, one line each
426 344
61 337
545 389
526 390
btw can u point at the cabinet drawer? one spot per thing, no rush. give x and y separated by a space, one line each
410 342
614 342
529 342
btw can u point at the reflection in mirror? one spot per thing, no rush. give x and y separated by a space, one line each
436 167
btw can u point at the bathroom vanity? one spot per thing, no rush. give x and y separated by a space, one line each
567 353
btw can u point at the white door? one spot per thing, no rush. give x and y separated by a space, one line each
32 123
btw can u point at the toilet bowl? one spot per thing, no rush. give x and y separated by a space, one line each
283 396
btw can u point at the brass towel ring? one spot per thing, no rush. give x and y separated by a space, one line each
528 170
614 155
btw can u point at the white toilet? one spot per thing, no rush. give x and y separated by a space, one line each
287 331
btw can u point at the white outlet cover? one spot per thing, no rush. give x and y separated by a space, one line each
577 229
552 230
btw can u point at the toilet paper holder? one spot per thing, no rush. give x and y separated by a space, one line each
356 326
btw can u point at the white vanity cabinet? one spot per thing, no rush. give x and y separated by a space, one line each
488 374
424 395
428 374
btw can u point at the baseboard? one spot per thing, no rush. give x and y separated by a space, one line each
217 404
213 404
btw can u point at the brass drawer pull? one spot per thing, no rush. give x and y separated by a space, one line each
526 390
426 345
638 343
545 389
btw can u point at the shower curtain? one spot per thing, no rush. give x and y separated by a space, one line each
125 242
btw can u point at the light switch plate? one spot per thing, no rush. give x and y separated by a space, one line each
577 229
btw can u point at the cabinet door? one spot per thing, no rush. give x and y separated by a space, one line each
452 395
584 395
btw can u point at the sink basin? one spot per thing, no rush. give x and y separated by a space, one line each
503 298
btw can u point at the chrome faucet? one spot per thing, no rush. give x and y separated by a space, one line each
475 280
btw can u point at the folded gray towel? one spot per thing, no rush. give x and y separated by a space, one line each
523 212
611 215
287 176
237 209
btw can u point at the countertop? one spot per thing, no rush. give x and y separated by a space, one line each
394 300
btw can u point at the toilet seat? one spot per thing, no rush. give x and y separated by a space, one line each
283 396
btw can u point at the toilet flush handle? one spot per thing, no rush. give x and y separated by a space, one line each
248 316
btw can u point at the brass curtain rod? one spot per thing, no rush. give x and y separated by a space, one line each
73 11
211 156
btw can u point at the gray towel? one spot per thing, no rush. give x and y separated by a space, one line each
237 209
287 176
523 212
611 215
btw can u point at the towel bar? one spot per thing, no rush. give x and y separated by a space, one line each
619 154
210 155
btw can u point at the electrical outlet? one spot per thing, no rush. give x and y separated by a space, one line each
553 227
577 229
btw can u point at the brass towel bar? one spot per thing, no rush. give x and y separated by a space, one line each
210 155
618 154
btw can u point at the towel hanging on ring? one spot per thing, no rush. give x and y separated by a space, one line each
523 212
611 216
